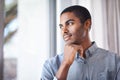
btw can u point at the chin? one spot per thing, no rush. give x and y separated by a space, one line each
75 42
72 42
68 42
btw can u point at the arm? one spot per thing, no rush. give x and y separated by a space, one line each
69 55
63 71
47 71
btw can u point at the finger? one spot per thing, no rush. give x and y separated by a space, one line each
79 48
81 51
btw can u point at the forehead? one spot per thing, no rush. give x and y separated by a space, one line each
67 16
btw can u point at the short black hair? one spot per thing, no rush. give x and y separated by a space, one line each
81 12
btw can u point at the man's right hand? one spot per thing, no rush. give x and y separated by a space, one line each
70 51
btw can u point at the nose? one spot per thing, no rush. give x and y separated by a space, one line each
64 29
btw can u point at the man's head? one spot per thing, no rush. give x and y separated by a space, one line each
75 22
81 12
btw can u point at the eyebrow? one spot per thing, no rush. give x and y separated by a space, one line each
67 21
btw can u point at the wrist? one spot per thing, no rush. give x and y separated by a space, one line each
63 71
66 64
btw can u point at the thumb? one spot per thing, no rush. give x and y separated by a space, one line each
80 50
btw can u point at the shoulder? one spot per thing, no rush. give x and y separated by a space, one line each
108 54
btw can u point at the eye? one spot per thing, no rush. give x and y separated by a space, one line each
61 26
70 23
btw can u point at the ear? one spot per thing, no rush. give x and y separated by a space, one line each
87 24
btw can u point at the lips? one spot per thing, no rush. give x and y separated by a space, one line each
67 37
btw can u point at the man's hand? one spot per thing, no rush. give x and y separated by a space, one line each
70 51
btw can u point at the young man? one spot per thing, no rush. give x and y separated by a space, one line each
81 59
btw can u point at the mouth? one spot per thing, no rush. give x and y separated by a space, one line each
67 37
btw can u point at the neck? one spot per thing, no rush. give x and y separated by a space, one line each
86 44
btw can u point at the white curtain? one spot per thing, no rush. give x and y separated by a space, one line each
111 21
105 22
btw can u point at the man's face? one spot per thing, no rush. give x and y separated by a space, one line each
72 29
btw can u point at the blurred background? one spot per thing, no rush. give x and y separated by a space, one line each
30 34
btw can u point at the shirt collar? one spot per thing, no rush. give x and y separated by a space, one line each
91 50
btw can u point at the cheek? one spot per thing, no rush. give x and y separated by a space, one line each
84 34
74 30
77 32
80 33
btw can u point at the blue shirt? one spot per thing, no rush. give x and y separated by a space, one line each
99 64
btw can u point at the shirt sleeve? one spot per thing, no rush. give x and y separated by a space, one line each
49 79
50 68
118 69
47 72
55 78
118 75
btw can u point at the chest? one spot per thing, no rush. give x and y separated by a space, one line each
91 70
